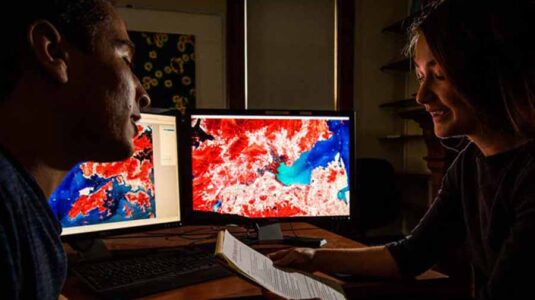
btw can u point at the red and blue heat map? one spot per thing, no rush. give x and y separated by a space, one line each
261 168
96 193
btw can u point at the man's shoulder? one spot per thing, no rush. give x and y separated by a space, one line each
6 165
12 181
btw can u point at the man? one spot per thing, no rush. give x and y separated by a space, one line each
67 94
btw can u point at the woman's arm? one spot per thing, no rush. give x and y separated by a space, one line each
441 229
510 276
368 261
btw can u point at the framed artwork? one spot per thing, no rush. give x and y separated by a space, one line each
165 65
180 57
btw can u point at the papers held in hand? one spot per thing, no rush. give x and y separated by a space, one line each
259 269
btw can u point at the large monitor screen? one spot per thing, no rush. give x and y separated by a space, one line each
139 191
271 166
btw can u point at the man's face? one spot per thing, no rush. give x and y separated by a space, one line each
106 95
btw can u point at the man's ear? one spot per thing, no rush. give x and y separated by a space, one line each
49 49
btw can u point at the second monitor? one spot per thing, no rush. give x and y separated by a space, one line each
135 194
271 164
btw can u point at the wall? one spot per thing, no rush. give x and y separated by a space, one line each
414 150
216 7
372 86
291 49
290 54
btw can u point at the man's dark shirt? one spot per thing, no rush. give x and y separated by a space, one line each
489 204
32 259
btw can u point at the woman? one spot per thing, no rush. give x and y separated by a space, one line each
475 65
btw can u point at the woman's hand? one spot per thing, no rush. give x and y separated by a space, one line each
299 258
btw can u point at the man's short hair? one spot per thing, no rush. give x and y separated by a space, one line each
76 20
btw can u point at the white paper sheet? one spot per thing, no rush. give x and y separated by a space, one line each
285 284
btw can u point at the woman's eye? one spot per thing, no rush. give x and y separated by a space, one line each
439 77
419 79
129 62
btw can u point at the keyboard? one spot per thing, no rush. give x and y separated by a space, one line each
128 277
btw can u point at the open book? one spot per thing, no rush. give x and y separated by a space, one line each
259 269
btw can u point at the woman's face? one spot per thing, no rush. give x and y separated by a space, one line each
451 115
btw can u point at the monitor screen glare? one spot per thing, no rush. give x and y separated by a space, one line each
141 190
271 166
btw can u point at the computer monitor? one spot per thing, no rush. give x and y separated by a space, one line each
261 165
139 193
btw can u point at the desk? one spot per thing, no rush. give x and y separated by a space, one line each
430 283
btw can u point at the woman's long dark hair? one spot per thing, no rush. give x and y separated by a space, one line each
485 47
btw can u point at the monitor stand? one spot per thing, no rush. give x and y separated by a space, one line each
272 233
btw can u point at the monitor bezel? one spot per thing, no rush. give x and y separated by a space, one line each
140 228
189 216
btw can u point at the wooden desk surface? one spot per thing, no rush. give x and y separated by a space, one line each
234 287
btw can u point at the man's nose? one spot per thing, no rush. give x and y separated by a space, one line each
144 100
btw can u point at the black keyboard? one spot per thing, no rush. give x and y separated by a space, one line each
128 277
